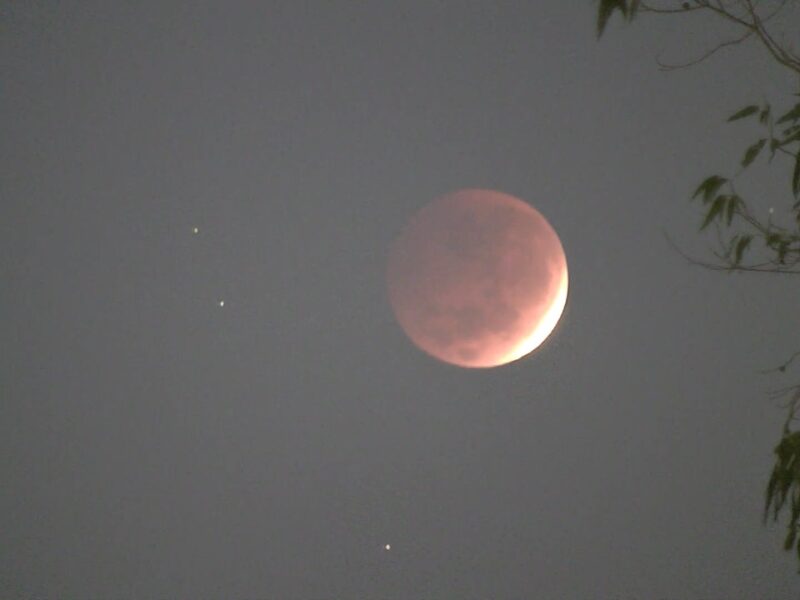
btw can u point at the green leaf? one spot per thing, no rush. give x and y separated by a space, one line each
772 239
752 152
606 10
795 137
791 129
709 187
770 494
792 115
745 112
796 176
716 209
773 147
741 246
790 537
763 117
790 137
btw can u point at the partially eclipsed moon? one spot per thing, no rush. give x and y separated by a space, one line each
477 278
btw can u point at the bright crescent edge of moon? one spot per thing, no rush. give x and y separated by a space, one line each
546 325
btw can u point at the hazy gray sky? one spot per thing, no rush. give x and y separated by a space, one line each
154 444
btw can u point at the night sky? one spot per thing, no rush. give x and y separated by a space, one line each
235 413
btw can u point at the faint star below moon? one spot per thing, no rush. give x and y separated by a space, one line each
478 278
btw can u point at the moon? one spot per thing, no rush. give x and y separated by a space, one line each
477 278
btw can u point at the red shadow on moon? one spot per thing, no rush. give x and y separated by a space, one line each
477 278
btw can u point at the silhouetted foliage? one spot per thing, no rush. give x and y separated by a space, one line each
784 482
746 241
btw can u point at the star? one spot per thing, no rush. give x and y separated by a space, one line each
387 547
222 302
195 230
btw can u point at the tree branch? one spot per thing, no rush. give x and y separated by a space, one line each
729 266
672 67
782 367
777 51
